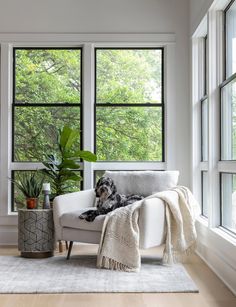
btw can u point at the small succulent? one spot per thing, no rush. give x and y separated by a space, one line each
29 185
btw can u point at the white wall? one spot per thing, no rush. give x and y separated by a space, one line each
88 16
115 16
198 9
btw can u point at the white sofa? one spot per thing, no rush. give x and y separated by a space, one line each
68 207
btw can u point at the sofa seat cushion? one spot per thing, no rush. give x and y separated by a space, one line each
72 220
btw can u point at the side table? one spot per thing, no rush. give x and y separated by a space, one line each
35 233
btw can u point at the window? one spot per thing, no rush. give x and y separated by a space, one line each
228 120
46 96
213 127
228 201
228 123
230 36
204 127
113 93
129 104
204 209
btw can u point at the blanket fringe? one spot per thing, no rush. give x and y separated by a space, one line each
112 264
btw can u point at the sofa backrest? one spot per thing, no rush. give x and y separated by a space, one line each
143 183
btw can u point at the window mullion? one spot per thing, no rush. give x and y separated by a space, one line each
6 99
214 51
88 110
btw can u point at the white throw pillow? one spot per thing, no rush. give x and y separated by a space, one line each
143 183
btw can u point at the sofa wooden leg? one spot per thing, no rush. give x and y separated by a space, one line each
66 245
69 250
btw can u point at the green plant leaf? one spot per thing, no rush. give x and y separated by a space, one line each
67 138
64 135
85 155
69 164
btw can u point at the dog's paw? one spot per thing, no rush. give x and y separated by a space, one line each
83 216
90 218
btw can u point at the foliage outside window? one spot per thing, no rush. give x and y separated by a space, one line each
129 104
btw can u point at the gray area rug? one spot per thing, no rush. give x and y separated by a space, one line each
80 275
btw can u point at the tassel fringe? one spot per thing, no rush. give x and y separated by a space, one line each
112 264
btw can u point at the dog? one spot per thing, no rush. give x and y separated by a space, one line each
109 200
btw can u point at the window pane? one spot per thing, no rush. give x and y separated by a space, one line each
47 75
205 194
19 200
129 75
228 121
228 201
35 130
231 40
205 130
206 63
129 133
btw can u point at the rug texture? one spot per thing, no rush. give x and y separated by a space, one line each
80 275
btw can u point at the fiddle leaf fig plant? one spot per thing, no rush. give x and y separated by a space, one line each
62 167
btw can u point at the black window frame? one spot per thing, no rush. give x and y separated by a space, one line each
45 105
160 105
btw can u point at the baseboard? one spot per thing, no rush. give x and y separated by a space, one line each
220 267
8 235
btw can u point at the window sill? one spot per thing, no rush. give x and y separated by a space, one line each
203 220
231 238
217 232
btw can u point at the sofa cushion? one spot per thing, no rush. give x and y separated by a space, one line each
143 182
72 220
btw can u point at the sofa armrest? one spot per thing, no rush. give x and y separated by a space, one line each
152 223
68 203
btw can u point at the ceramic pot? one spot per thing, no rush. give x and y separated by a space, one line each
31 203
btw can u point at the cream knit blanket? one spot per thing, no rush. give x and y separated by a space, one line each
119 245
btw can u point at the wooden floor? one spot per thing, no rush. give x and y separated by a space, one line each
213 293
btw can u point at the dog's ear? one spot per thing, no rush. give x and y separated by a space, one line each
113 187
98 184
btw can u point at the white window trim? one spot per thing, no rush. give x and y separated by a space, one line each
88 42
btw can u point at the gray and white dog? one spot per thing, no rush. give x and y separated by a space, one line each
109 199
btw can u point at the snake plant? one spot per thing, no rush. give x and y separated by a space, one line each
29 185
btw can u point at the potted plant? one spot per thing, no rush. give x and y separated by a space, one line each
61 167
31 188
